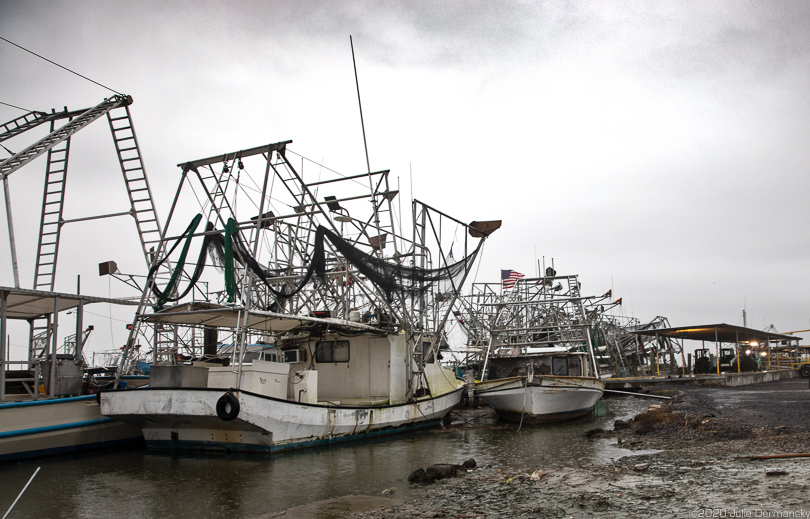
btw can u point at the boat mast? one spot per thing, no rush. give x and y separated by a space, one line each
378 251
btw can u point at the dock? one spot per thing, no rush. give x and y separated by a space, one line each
715 380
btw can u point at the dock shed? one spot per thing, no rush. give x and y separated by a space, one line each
750 346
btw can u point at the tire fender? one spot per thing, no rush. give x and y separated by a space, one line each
227 407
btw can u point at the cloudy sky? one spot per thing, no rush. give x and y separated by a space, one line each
656 148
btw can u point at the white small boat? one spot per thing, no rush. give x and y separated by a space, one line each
539 365
542 399
46 411
58 425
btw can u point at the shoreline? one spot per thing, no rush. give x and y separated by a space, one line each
705 439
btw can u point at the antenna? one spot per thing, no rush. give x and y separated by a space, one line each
379 251
362 124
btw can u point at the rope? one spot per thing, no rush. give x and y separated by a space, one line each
523 407
17 107
60 66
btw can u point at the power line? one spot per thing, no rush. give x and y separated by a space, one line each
60 66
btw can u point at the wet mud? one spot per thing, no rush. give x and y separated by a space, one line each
707 443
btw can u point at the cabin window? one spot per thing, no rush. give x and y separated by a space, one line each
332 351
295 356
559 366
575 366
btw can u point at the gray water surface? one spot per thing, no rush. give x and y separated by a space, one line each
151 484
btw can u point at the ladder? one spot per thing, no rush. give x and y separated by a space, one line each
21 124
51 221
56 144
18 160
40 339
216 187
577 330
31 120
138 190
165 344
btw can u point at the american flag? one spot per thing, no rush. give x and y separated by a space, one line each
510 277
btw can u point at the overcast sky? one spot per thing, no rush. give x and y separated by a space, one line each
656 148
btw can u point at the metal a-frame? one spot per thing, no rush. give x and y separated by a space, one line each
57 147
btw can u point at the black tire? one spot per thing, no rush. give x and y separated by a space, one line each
804 371
227 407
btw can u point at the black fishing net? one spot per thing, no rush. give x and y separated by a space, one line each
390 277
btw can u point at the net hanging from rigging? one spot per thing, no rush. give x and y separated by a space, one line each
229 249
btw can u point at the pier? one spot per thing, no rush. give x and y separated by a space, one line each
715 380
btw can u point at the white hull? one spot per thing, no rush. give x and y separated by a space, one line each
187 419
545 399
51 426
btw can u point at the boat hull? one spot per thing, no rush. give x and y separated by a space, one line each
52 426
545 399
187 418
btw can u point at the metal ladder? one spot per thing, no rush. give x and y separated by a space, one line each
21 124
138 190
40 339
576 334
18 160
216 193
165 348
51 221
53 199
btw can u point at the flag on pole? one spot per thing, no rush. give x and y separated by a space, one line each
510 277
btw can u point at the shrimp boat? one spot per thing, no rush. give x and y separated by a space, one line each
46 404
322 323
539 364
47 400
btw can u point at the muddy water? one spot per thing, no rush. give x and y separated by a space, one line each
143 484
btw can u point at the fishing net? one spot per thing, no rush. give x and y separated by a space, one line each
391 278
226 249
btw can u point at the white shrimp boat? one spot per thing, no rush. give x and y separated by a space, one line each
46 400
46 426
543 398
539 365
47 411
326 342
282 405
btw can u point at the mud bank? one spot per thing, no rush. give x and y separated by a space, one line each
707 438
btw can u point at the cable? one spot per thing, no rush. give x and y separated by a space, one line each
17 107
60 66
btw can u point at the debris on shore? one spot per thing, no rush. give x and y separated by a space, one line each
712 454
